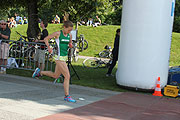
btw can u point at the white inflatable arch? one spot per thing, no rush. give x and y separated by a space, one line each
145 40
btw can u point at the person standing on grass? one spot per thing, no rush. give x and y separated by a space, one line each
40 51
64 41
115 53
4 45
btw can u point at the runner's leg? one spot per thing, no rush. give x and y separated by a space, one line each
55 74
62 67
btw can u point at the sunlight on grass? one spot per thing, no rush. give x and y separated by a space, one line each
97 38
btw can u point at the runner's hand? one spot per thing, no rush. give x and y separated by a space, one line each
70 45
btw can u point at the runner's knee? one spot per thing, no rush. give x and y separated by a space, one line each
67 76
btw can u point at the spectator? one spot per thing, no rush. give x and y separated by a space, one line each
115 53
21 21
17 19
56 20
40 51
4 51
81 22
8 22
89 22
25 20
97 22
12 23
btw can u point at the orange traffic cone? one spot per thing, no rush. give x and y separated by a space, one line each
157 91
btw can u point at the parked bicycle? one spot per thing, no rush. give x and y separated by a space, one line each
83 44
96 63
74 51
79 44
107 53
22 48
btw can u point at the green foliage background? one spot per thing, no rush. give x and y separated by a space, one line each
108 10
77 9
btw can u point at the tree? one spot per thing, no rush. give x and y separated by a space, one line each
82 9
33 19
77 9
31 6
176 26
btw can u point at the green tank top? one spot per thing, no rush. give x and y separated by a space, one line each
63 44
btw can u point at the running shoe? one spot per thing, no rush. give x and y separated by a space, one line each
36 72
39 75
69 99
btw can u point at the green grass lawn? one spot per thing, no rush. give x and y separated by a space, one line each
175 50
97 38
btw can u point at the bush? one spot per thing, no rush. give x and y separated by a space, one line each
114 18
176 26
3 15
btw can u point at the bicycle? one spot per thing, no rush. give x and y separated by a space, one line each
74 51
83 44
96 63
22 48
78 46
107 53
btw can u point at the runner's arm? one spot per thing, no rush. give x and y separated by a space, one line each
70 42
46 39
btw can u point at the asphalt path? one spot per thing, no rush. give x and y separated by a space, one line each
23 98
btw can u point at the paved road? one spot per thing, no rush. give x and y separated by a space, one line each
24 98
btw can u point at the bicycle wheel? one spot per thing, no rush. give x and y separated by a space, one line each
13 51
104 54
31 54
91 63
83 44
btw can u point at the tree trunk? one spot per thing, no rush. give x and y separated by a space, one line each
33 20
